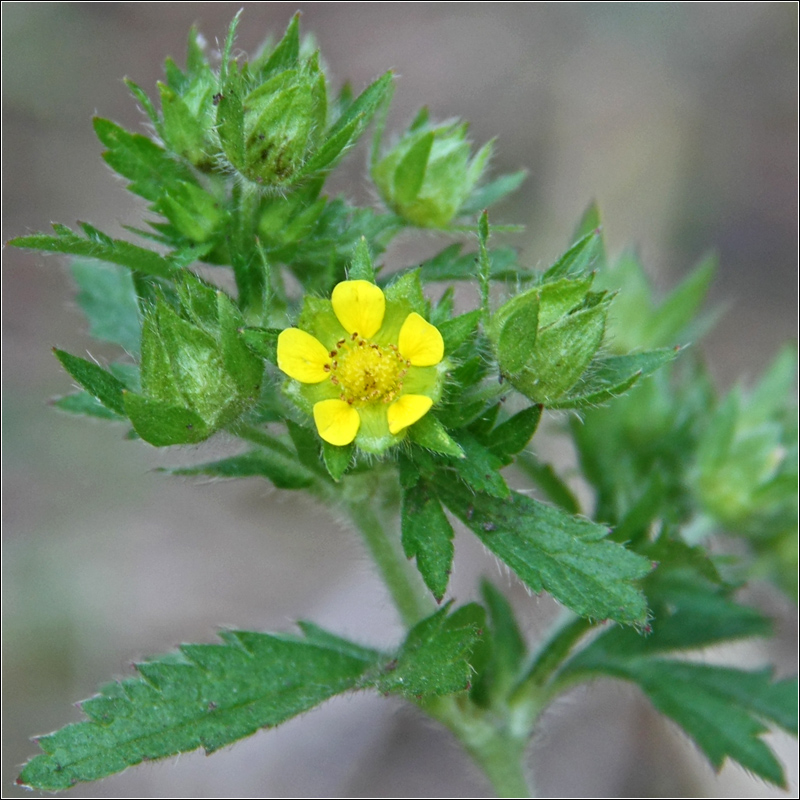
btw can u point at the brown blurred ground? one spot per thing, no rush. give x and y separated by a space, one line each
680 119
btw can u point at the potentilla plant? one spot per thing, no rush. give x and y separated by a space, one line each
402 414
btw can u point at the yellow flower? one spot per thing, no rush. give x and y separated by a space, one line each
371 367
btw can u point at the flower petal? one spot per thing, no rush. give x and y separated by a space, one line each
359 306
302 357
406 411
337 421
420 342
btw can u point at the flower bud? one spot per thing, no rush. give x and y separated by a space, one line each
428 175
544 338
197 374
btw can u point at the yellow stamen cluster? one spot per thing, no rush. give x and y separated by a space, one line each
366 372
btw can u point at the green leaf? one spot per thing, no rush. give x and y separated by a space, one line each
507 649
512 435
548 480
108 298
204 696
144 101
567 556
99 383
479 468
284 471
435 657
493 192
428 537
449 265
139 159
115 251
84 404
611 376
720 708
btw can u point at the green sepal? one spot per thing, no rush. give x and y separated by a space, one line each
513 434
427 536
435 657
183 132
337 460
361 268
431 434
97 381
458 330
611 376
306 443
583 256
162 424
263 341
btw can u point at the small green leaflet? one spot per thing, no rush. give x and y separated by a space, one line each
285 471
98 245
549 549
211 695
434 659
428 537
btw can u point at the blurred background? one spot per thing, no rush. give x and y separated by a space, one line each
679 119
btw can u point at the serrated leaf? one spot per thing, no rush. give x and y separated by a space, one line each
719 707
139 159
205 696
479 468
568 556
286 472
434 659
428 537
115 251
108 298
99 383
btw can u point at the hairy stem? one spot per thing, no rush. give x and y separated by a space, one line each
405 587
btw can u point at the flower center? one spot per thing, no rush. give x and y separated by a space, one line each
366 372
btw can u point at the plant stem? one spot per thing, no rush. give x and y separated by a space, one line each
405 587
489 739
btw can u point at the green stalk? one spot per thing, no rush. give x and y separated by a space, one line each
406 588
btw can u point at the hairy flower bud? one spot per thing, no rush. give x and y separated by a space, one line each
428 175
